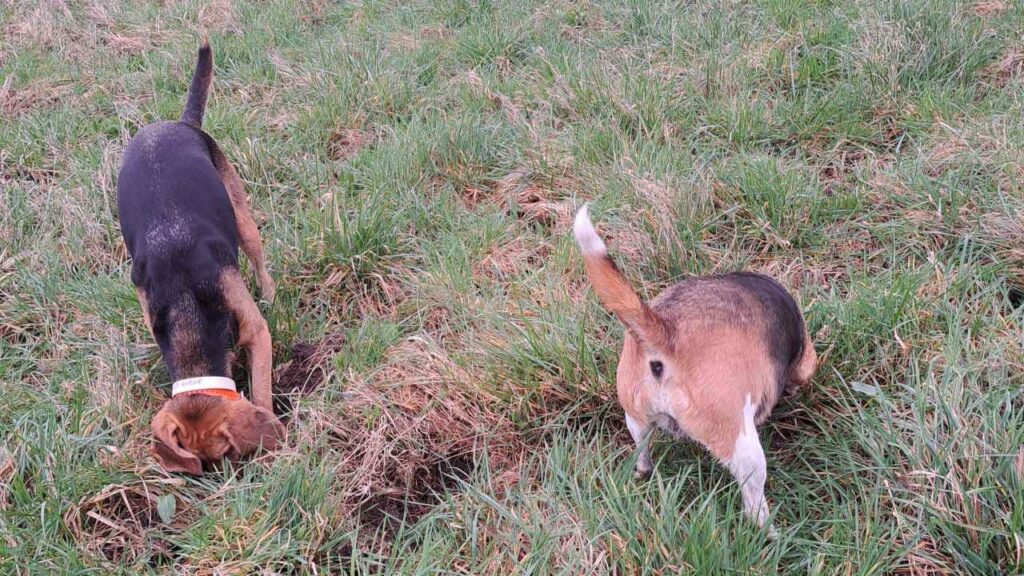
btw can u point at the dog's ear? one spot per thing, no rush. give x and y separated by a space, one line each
250 428
168 449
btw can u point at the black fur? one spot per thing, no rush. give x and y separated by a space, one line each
195 104
179 226
784 324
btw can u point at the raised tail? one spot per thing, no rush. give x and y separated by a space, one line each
614 291
195 104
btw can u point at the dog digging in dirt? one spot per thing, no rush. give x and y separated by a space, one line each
183 213
707 359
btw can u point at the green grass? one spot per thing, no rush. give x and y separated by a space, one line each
414 167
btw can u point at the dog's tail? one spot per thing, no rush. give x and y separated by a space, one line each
195 104
614 291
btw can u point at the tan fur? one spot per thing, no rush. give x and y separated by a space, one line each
806 366
618 296
195 430
144 303
248 233
704 360
253 334
710 382
186 338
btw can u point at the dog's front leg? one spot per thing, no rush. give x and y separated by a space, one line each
144 303
641 433
248 233
253 335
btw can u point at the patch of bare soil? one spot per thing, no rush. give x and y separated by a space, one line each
345 143
306 371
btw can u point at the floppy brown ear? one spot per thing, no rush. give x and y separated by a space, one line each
166 448
248 430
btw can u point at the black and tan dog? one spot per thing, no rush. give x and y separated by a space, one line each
183 213
707 359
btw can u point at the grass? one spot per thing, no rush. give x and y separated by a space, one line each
414 167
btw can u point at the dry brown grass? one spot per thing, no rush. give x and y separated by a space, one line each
1005 232
403 433
536 203
659 204
513 112
126 44
989 7
34 97
1008 68
219 15
504 262
6 473
114 523
345 143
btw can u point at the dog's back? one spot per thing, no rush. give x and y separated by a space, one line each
181 231
743 300
171 200
172 203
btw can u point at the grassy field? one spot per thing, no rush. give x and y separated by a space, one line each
414 167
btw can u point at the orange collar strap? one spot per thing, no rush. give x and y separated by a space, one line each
226 394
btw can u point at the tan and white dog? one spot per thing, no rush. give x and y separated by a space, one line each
707 359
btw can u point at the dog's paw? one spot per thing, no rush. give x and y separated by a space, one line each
641 474
267 289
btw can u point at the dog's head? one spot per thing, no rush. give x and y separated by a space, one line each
191 431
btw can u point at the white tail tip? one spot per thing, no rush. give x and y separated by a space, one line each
585 234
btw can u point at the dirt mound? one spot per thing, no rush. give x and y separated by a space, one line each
345 143
306 371
309 365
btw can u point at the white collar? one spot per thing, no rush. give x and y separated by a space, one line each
202 383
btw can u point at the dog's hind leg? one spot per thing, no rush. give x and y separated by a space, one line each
248 233
804 368
728 431
641 434
749 468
